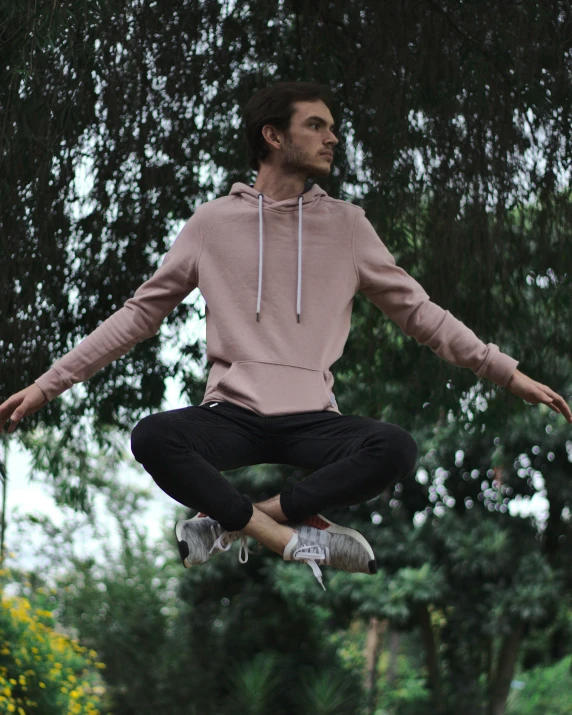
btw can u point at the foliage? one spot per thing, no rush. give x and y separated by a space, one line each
43 670
327 692
214 635
169 637
461 115
545 690
408 694
121 604
253 685
446 101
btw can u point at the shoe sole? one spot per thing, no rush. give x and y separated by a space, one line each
182 544
358 536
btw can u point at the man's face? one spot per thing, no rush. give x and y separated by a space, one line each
311 133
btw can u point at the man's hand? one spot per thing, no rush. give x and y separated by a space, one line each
21 404
535 392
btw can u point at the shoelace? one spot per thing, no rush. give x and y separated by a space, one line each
225 540
309 554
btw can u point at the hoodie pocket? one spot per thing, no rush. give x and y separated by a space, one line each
274 388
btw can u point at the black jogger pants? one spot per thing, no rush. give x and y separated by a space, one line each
355 458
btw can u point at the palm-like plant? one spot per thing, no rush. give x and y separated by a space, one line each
253 686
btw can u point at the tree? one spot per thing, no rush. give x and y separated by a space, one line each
467 90
477 94
172 638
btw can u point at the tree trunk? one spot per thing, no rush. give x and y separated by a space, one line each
490 659
4 480
431 657
393 648
373 644
505 670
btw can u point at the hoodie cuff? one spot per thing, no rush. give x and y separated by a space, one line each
499 367
52 383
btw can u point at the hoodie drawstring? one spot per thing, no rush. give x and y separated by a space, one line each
260 252
260 198
299 257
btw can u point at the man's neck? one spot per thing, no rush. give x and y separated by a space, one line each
279 186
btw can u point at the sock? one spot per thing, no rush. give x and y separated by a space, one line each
289 548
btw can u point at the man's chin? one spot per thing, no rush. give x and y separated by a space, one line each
320 169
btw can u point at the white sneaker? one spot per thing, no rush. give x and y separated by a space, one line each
201 537
318 539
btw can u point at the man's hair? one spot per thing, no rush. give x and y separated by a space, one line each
275 105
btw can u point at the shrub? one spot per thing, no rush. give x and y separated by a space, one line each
42 670
546 690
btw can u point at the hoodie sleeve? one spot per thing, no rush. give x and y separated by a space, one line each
139 318
403 299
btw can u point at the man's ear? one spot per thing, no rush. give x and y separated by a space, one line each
269 133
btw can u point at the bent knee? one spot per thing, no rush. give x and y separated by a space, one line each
146 435
401 449
407 450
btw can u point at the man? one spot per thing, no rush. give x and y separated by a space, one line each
278 263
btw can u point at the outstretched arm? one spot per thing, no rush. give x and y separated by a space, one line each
139 318
403 299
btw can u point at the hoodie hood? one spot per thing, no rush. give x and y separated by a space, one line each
311 194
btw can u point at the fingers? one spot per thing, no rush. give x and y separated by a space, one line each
13 421
557 403
6 411
23 403
11 412
564 409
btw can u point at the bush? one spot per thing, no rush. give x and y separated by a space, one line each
41 670
546 690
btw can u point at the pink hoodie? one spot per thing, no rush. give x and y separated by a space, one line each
279 279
